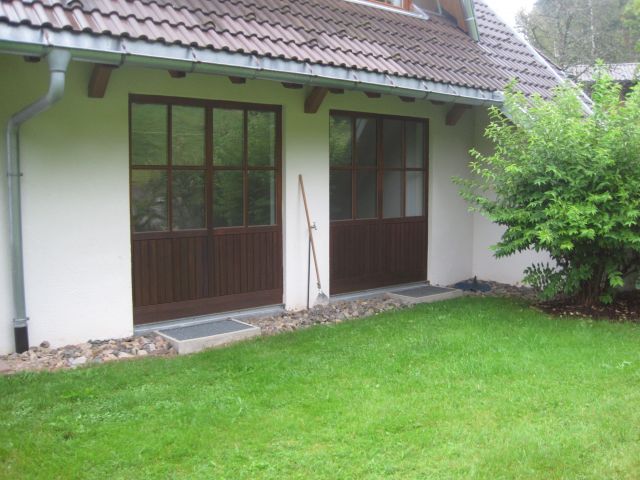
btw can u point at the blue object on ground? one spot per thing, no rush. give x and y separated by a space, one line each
473 285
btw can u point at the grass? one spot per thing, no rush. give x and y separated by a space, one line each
472 388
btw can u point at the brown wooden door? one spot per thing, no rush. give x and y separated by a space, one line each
378 196
205 207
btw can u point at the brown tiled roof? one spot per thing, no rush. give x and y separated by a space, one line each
325 32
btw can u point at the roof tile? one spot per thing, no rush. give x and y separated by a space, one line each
328 32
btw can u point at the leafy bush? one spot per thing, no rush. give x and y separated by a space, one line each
567 182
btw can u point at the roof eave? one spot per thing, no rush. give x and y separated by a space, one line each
25 40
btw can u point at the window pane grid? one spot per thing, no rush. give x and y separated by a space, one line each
186 180
402 179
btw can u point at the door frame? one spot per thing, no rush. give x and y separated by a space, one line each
212 304
370 283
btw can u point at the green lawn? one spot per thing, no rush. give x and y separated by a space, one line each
471 388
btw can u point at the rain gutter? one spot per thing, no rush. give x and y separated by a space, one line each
58 62
24 40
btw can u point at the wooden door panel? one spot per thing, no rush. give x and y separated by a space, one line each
169 270
246 262
375 254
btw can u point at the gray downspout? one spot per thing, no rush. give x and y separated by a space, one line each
58 62
470 19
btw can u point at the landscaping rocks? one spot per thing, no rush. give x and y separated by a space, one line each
326 314
93 352
102 351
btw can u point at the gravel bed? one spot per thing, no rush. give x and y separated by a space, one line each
90 353
100 351
325 314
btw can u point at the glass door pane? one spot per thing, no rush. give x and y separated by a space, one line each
187 203
228 198
148 134
414 135
367 194
340 194
392 143
228 137
415 194
392 194
262 198
366 142
149 200
261 133
187 135
340 140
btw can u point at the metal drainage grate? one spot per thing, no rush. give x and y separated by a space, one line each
425 291
208 329
193 338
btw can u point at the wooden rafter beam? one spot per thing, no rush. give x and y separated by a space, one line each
237 80
314 100
294 86
177 74
30 59
437 102
373 94
99 80
408 99
337 91
455 114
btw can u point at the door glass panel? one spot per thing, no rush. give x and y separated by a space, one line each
415 194
228 137
340 195
392 194
366 142
262 198
187 135
187 203
392 140
415 144
148 134
261 130
149 200
227 198
340 137
367 194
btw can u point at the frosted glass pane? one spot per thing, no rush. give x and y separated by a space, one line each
392 194
415 194
414 132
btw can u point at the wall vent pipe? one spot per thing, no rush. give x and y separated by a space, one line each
58 61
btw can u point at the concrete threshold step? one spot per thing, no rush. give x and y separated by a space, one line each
194 338
425 294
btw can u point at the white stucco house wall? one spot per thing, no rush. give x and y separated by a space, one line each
75 157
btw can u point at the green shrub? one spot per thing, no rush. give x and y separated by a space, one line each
567 182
